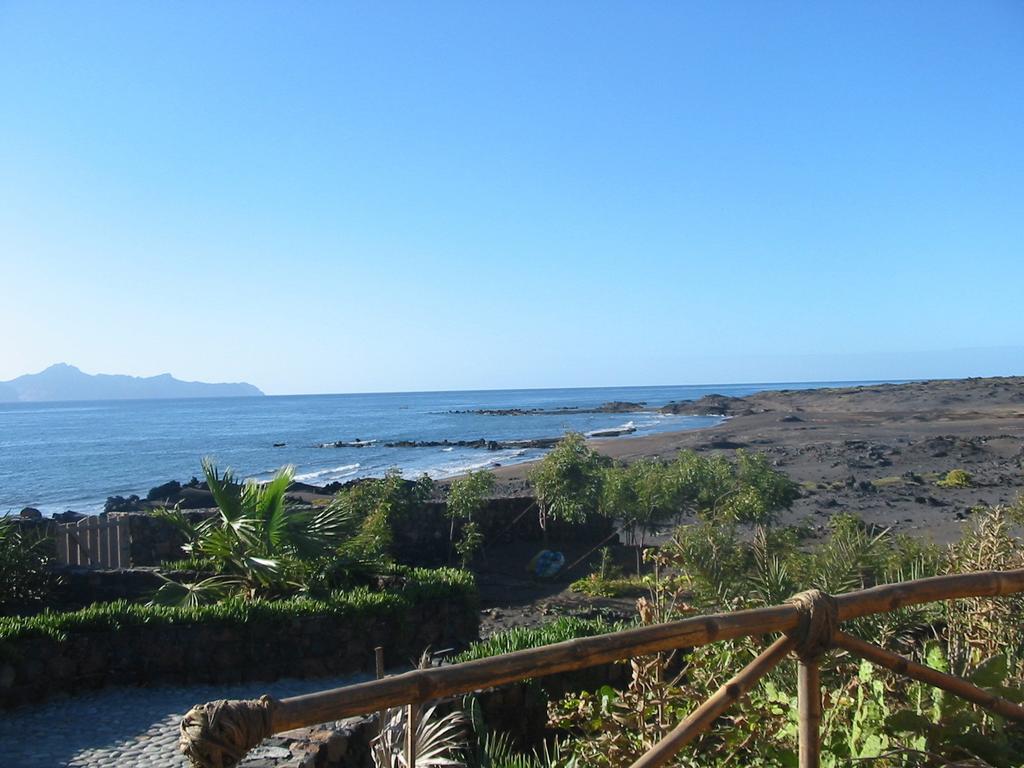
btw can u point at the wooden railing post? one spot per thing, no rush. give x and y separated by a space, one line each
808 691
818 621
382 714
411 718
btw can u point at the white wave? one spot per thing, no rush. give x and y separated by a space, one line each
457 467
330 474
626 428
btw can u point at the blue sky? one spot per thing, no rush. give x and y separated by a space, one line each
332 197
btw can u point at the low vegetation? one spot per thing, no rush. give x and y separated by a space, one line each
957 478
608 580
521 638
411 586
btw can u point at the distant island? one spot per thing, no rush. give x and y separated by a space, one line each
66 382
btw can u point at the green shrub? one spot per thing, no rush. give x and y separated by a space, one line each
957 478
25 576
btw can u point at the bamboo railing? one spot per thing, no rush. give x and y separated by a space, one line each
218 734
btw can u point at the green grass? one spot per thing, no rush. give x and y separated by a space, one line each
622 586
521 638
956 478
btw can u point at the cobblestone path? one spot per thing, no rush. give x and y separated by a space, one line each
131 727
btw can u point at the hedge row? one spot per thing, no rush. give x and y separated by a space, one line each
418 584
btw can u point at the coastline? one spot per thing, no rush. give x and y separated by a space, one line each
871 449
876 451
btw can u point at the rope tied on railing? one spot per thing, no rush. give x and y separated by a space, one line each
819 619
218 734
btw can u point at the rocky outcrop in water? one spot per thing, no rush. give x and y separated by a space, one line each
709 405
615 406
480 443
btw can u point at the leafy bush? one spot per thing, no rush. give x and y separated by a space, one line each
956 478
25 577
640 495
377 504
748 490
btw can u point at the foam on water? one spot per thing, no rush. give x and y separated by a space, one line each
329 475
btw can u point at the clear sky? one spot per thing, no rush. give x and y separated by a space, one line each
333 197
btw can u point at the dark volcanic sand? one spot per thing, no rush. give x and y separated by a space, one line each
876 451
855 449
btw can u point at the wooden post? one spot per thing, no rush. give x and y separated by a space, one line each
411 723
808 688
378 657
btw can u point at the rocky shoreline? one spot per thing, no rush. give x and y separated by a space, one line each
877 450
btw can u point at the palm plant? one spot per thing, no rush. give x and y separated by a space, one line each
257 541
440 740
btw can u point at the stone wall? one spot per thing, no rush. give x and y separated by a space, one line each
423 537
154 540
33 668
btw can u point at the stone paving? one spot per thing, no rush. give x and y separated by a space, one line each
127 727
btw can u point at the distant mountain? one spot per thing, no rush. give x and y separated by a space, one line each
65 382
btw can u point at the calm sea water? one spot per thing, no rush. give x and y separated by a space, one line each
58 456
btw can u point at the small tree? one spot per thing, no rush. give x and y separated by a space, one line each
619 499
568 481
466 497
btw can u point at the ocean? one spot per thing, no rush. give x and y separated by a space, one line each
73 455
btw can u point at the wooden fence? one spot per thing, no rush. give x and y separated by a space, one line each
218 734
94 542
